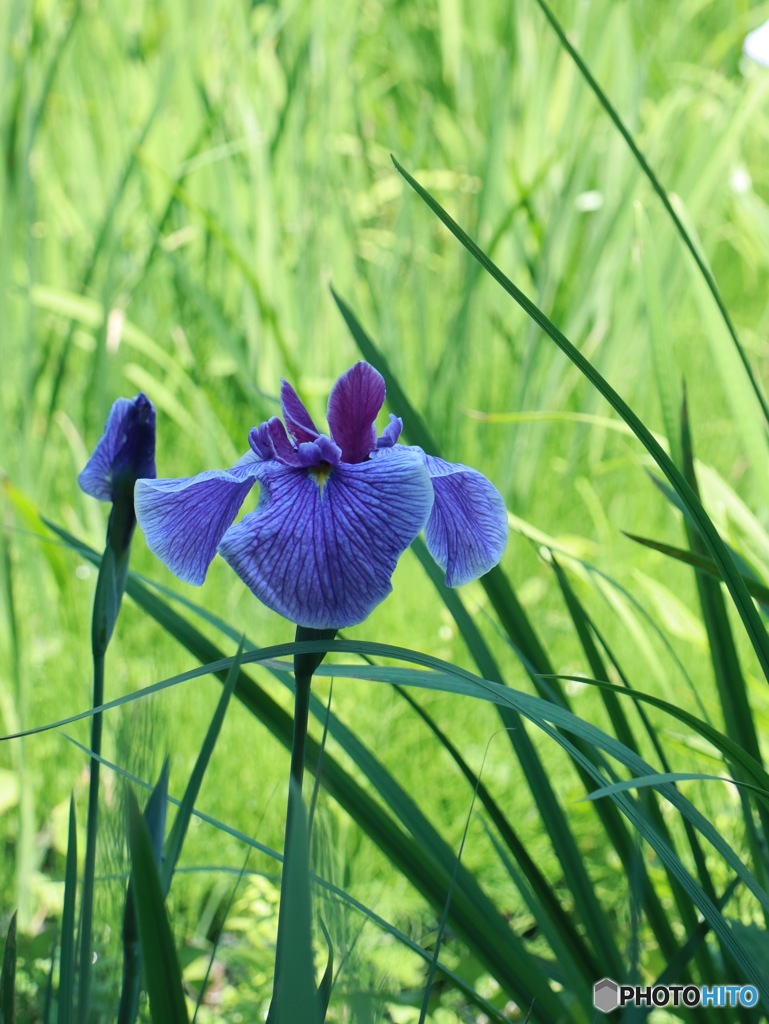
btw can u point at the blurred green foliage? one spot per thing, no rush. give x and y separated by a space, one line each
180 184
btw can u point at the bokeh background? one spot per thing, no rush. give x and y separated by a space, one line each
181 183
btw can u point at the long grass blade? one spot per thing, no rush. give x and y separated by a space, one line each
718 550
66 1000
426 862
173 846
155 820
8 976
654 181
164 978
296 998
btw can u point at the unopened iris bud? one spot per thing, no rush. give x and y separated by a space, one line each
125 454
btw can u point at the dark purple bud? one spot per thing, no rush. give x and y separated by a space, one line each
125 453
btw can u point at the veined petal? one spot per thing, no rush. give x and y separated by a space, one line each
298 420
321 546
184 520
467 531
353 405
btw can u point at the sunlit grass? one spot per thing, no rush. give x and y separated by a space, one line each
179 190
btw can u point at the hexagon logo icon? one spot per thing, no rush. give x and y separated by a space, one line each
606 995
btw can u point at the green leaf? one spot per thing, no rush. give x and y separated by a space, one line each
327 981
296 998
173 846
662 194
155 819
534 659
718 550
163 974
66 1000
425 860
8 976
701 563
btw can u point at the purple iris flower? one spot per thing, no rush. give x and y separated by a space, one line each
335 511
125 452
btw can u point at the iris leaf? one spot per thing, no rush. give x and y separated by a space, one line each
8 976
66 1000
161 963
718 550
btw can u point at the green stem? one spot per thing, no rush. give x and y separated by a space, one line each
86 926
299 742
106 605
304 667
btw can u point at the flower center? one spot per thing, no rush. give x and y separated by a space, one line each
321 473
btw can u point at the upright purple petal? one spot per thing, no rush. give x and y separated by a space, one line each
298 420
320 550
391 432
184 520
282 448
353 405
125 451
467 531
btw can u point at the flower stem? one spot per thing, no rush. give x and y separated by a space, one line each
304 667
110 587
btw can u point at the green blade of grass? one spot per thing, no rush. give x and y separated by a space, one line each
730 682
296 997
327 981
623 732
164 978
66 1000
718 550
702 563
173 846
340 894
549 913
8 976
427 864
662 357
654 181
155 820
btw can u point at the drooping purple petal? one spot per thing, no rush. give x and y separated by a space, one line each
353 405
467 530
126 449
184 520
320 549
298 420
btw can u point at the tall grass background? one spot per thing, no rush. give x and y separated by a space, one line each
181 186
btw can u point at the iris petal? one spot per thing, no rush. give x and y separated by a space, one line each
467 531
320 549
298 420
353 405
184 520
